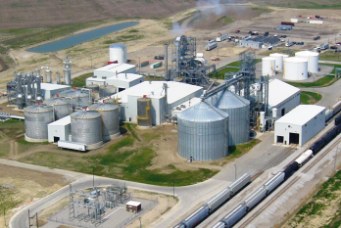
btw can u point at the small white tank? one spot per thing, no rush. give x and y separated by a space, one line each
117 53
295 69
312 58
268 66
279 57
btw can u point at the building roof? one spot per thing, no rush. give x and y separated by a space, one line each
128 77
154 89
301 114
61 122
116 67
133 203
279 91
51 86
264 39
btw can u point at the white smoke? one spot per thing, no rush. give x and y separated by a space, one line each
210 7
178 29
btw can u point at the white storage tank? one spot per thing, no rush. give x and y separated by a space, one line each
295 69
279 57
312 58
268 66
117 53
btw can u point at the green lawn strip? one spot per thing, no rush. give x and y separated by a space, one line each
80 81
240 149
229 68
328 191
308 97
322 82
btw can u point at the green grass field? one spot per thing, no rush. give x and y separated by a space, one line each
80 81
229 68
310 97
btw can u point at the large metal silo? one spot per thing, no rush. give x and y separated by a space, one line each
202 132
37 117
61 107
144 117
86 128
110 115
77 98
238 110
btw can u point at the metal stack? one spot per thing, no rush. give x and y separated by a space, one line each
67 71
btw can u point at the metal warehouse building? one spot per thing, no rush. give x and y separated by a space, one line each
113 69
300 125
50 90
283 97
164 97
121 81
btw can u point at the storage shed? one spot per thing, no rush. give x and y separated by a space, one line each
300 125
133 206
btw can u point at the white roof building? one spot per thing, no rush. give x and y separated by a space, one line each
162 102
113 69
283 97
50 90
59 130
300 124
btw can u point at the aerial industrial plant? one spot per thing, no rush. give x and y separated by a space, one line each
213 115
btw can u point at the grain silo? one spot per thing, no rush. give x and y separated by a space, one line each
110 115
202 132
86 128
238 110
144 117
312 58
37 117
268 66
117 53
61 107
295 69
279 58
77 98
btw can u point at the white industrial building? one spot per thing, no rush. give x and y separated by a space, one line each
50 90
283 97
121 81
165 96
300 125
59 130
113 69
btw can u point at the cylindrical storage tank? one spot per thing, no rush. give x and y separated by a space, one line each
93 87
295 69
268 66
312 58
202 132
77 98
144 117
86 128
110 115
238 110
117 53
61 107
279 57
37 117
106 91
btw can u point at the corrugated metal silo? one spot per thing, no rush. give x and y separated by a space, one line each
144 117
86 128
238 110
202 132
61 107
110 115
37 117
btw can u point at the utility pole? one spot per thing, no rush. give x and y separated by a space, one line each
93 177
235 171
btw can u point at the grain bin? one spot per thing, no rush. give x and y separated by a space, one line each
61 107
238 110
37 117
77 98
110 115
144 117
106 91
86 128
117 53
295 69
312 58
268 66
202 132
279 58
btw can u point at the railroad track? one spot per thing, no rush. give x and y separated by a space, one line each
291 182
267 204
